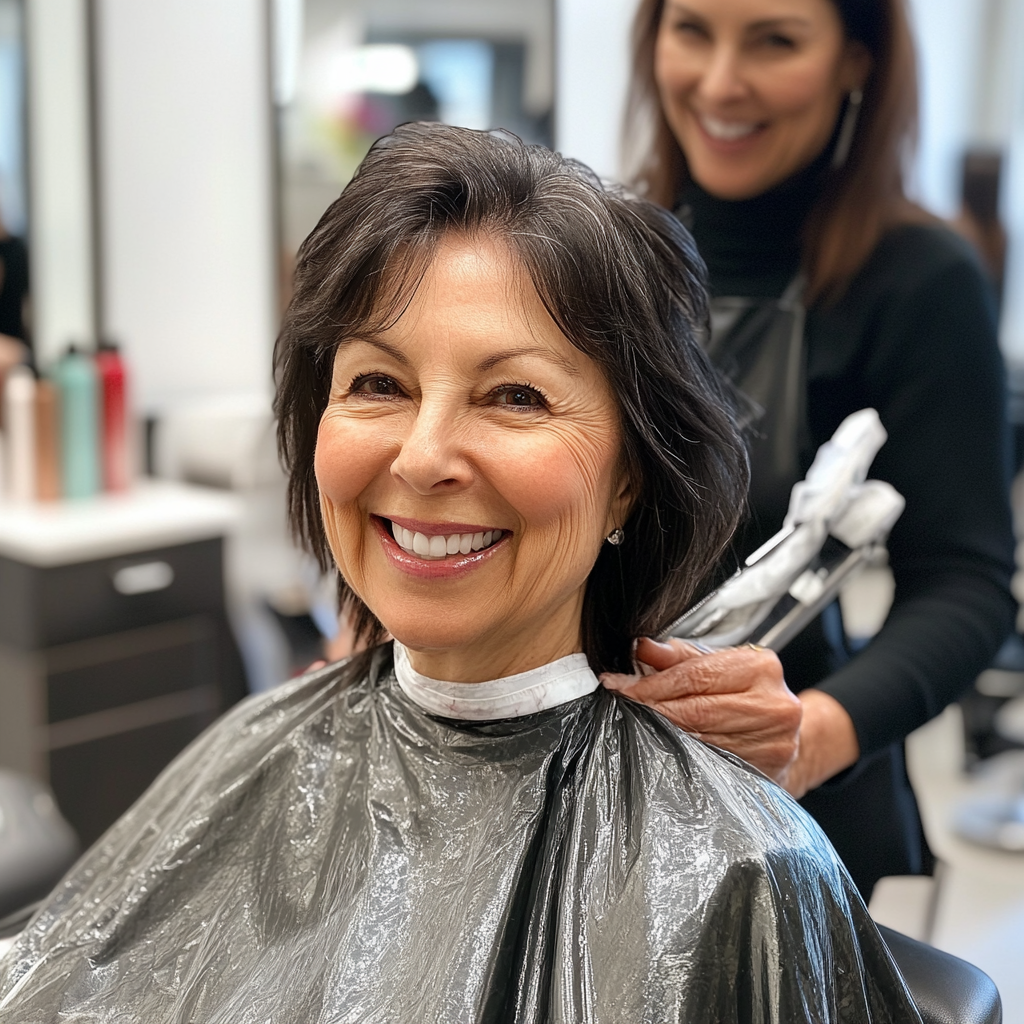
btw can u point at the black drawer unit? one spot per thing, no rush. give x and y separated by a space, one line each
109 668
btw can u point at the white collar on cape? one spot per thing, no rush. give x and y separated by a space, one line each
512 697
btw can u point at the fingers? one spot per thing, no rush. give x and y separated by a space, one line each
662 655
752 715
618 682
731 671
775 757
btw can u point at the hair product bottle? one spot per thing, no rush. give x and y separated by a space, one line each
75 377
114 443
20 420
47 441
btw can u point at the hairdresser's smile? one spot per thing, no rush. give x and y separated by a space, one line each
469 464
729 136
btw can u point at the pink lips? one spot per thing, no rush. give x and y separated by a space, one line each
452 567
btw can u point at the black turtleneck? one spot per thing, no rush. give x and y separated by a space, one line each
752 246
914 336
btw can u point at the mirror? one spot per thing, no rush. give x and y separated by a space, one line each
348 71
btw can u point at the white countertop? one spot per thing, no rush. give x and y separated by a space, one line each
153 514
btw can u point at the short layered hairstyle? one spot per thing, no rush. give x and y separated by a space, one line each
621 279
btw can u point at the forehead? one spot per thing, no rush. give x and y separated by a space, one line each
755 11
476 293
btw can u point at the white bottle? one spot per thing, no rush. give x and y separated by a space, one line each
20 424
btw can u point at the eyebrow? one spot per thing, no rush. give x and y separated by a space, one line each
396 353
536 350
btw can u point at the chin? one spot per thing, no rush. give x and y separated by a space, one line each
728 183
428 630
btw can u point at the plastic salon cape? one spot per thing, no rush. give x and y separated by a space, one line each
331 852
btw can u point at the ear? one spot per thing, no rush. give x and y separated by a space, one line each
623 499
856 66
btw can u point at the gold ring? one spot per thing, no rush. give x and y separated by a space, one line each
754 647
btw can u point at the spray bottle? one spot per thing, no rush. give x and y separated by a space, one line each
20 420
75 377
114 423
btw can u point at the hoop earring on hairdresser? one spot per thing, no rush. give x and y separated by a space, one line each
616 537
849 128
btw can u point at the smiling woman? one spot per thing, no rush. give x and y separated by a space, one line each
781 131
449 450
518 354
501 428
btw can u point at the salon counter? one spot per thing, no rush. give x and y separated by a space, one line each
115 649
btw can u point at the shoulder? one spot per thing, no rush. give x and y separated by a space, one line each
754 821
920 263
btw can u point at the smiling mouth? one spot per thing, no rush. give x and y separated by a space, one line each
728 131
435 547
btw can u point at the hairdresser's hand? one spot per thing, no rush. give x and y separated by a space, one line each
736 699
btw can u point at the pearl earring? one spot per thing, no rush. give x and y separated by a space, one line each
616 537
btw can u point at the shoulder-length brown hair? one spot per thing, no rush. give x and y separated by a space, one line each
862 199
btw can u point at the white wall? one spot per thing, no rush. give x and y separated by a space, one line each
186 204
60 193
1008 119
949 36
591 79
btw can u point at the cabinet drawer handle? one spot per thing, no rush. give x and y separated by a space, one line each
144 578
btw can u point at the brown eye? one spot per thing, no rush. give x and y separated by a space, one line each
520 397
376 384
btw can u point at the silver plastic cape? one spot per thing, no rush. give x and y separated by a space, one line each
329 852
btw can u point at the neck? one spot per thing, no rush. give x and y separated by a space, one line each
502 654
746 240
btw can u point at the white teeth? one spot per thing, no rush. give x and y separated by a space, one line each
727 131
438 546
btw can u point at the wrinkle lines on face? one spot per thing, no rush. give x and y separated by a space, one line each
491 416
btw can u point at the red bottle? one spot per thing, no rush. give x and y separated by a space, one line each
114 417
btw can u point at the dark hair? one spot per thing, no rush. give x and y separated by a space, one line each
621 279
860 200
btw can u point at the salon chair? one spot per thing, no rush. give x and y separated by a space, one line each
36 844
947 990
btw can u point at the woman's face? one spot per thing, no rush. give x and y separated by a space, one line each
752 89
469 464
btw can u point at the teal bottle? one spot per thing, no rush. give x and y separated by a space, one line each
75 377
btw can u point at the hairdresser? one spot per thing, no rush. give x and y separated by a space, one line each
778 131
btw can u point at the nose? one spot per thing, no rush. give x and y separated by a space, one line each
722 79
431 458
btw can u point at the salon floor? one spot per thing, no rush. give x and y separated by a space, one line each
974 908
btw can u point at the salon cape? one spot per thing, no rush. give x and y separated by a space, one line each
355 848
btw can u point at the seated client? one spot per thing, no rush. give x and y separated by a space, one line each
501 429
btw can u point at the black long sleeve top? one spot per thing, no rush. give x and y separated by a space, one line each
914 336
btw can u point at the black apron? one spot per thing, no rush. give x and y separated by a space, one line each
869 812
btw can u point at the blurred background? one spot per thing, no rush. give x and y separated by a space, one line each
160 163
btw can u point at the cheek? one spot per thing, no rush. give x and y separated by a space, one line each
806 89
556 481
348 458
674 70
